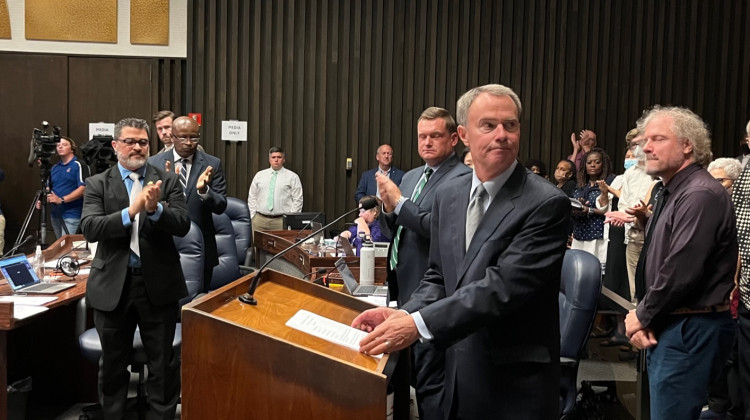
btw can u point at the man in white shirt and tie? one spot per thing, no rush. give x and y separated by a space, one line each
274 192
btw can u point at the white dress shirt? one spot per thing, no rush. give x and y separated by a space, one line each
287 197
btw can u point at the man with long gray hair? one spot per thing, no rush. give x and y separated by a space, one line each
687 266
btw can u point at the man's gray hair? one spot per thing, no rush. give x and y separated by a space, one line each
465 101
130 122
731 166
686 125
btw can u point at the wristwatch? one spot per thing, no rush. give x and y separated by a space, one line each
62 200
591 211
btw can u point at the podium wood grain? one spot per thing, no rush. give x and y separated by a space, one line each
240 361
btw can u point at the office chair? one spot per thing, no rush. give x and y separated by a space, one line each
242 226
580 286
190 248
228 269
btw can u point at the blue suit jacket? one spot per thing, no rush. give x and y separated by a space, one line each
201 210
495 306
368 186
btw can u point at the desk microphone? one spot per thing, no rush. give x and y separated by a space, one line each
15 247
248 297
308 224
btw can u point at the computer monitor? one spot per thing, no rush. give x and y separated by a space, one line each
303 220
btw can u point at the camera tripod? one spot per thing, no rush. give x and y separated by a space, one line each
41 197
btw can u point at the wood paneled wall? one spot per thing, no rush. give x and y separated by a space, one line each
332 79
71 92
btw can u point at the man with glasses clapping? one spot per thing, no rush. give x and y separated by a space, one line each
203 184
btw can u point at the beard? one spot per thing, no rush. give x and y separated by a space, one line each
132 161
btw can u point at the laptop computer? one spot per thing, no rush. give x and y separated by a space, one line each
381 249
354 288
346 246
22 278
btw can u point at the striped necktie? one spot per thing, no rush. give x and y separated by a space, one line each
184 174
135 190
397 238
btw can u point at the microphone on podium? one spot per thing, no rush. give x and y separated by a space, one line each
248 297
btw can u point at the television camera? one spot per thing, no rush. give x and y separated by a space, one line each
99 152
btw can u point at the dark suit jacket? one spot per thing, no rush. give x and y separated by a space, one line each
101 221
368 186
200 209
414 244
496 305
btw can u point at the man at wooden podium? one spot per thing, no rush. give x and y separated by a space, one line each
490 292
136 278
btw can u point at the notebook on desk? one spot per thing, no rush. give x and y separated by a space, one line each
22 278
354 288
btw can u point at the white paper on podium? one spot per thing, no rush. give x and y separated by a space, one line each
327 329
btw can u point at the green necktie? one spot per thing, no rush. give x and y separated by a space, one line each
414 196
271 189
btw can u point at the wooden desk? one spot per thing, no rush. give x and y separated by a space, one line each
298 262
39 330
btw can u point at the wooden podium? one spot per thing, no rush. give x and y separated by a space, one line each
241 361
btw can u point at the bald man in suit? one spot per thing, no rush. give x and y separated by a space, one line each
205 189
489 297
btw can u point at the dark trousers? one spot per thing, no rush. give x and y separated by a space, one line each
428 366
725 395
157 328
690 353
743 335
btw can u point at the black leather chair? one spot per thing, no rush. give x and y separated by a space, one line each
228 269
580 286
242 226
190 248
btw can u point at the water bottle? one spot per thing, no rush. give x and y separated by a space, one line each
367 263
39 262
322 247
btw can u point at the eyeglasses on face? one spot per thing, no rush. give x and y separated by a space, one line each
133 142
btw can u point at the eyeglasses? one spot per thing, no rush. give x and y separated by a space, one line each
133 142
726 179
190 139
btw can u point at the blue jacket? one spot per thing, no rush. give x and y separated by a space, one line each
368 186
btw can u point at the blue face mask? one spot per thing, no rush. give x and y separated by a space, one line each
629 163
